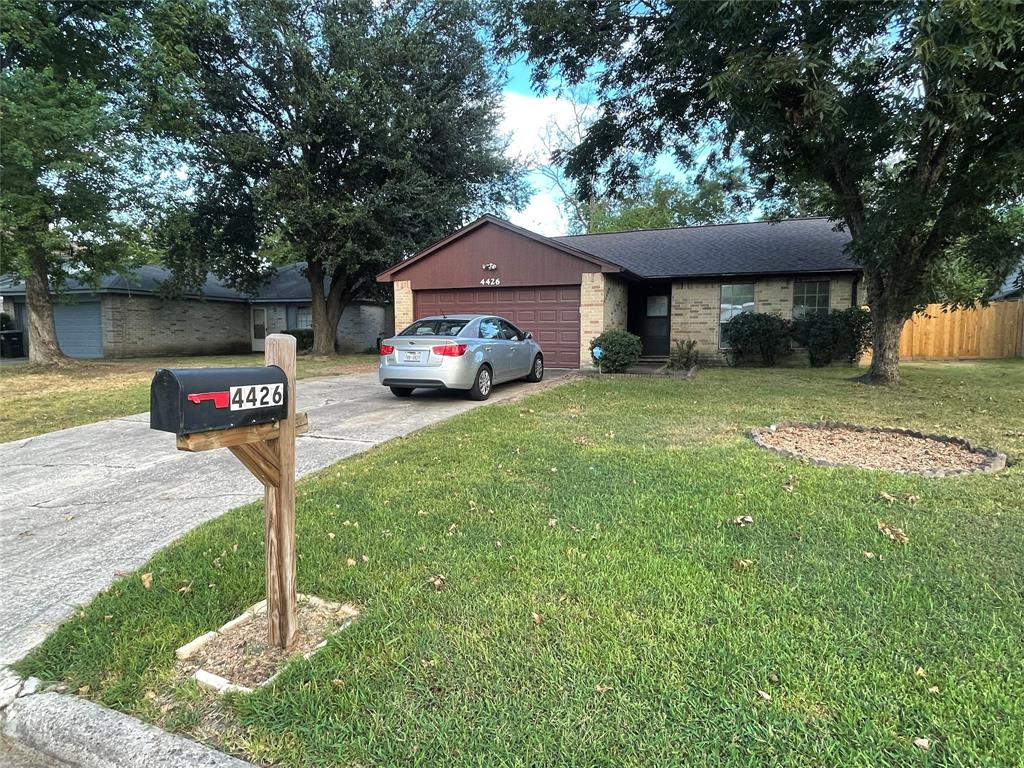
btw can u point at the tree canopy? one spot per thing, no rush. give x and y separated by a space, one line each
69 148
663 201
343 134
907 116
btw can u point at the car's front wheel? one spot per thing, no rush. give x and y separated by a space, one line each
537 371
482 385
401 391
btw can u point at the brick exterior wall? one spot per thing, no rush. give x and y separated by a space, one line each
592 313
360 325
696 306
145 325
616 297
403 304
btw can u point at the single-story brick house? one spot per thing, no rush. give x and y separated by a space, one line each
126 316
663 285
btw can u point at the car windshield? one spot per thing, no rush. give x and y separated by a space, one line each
435 326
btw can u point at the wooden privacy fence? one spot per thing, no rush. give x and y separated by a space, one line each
985 332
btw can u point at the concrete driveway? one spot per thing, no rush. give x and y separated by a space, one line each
82 505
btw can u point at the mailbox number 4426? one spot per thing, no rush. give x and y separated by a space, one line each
256 396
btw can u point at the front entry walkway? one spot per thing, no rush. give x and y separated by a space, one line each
83 505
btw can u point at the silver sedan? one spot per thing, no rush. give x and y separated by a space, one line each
468 352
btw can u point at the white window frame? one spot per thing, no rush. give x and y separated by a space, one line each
818 308
732 310
300 313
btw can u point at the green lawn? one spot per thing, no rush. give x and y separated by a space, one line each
43 399
611 500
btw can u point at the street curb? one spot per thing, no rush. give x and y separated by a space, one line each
78 733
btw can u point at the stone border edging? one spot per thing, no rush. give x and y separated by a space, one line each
996 459
77 732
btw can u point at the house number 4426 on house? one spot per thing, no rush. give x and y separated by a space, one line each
491 281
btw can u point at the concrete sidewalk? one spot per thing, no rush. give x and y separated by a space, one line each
81 505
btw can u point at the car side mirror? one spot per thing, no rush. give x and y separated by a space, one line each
528 336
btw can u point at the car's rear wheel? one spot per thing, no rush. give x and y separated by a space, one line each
537 371
483 384
401 391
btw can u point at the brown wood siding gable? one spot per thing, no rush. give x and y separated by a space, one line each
519 261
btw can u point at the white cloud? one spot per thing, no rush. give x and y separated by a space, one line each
542 214
526 120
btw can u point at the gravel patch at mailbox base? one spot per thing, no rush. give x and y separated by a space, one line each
894 450
238 655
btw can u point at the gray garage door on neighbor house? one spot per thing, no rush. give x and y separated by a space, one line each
79 329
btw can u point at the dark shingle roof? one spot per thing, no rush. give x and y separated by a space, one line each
763 247
146 279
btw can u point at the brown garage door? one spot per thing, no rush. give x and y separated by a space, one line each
552 314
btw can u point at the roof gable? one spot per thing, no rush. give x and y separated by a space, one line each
566 248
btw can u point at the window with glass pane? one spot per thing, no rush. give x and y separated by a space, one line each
810 297
736 299
304 317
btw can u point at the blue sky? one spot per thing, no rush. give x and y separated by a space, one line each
527 114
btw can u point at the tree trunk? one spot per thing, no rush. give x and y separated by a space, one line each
326 309
886 329
43 347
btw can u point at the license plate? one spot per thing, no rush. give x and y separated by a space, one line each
412 357
256 396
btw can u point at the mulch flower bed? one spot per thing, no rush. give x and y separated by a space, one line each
903 451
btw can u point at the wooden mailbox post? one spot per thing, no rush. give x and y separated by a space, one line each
251 412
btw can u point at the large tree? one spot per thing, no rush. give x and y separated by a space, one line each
342 133
908 115
68 136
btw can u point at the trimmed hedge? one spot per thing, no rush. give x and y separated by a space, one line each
619 350
838 336
757 336
303 338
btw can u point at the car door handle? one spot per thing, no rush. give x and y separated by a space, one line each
487 349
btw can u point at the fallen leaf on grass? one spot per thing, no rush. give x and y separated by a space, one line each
892 532
83 690
912 499
350 562
428 663
602 688
920 672
552 522
437 582
743 520
765 696
742 565
185 589
147 580
365 558
933 689
922 743
886 497
330 536
869 555
537 619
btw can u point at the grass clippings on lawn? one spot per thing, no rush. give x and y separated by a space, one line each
643 627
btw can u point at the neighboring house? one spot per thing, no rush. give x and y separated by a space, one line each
125 316
663 285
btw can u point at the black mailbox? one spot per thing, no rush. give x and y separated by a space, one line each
188 400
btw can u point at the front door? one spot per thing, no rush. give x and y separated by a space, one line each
655 328
259 328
